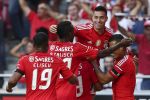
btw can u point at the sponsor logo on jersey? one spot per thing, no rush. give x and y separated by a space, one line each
40 59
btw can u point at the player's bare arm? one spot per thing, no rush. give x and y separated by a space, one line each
103 78
108 51
13 81
98 86
73 79
126 33
24 6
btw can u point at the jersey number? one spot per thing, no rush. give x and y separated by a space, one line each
79 87
68 61
45 76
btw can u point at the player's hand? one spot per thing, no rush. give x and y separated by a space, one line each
24 40
53 28
126 42
8 89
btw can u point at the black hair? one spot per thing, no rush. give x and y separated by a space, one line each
116 38
64 29
101 8
42 30
40 40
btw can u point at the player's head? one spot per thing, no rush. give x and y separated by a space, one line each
65 31
42 29
40 42
99 17
119 53
29 47
42 10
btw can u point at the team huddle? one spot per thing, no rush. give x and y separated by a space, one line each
68 69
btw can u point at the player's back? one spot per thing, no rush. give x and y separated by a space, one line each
41 71
73 55
123 86
86 80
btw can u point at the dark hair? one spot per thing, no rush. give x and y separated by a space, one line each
42 30
64 28
101 8
116 38
40 40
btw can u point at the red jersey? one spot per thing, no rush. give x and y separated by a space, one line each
73 55
87 78
88 36
36 23
41 72
124 83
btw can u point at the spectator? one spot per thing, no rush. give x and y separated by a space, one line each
28 49
143 42
2 52
73 15
40 19
108 63
16 53
20 24
133 7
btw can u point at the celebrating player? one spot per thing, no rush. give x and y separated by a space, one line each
77 56
95 34
41 71
122 74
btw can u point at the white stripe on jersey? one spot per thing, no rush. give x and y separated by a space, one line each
122 61
119 68
84 26
109 30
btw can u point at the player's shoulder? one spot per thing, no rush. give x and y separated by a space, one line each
24 57
79 45
109 31
124 60
83 27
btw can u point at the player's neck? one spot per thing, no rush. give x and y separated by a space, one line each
100 31
64 40
41 50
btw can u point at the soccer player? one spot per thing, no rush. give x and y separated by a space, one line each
143 42
122 74
96 34
41 71
77 56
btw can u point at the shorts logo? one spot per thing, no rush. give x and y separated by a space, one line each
31 59
52 47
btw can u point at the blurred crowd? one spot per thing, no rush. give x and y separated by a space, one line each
20 19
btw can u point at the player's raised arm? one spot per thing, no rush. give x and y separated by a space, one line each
108 51
126 33
13 80
24 6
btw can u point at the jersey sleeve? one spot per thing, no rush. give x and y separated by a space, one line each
119 68
21 66
81 30
87 52
31 16
64 71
